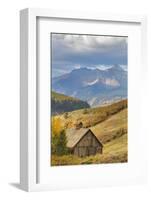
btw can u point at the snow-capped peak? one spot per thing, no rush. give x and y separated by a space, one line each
91 83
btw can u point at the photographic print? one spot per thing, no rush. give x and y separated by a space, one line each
89 97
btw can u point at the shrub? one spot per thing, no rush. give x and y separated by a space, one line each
66 115
85 111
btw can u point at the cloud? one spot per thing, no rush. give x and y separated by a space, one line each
86 43
70 50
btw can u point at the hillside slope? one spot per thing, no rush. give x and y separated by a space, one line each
112 128
112 132
92 116
61 103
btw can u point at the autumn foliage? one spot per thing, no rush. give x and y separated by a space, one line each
58 139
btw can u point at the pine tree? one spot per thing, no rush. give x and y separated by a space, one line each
61 148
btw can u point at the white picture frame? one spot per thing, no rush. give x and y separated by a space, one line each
29 148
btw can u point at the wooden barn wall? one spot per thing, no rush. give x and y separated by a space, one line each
88 141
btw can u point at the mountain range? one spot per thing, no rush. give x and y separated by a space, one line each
95 86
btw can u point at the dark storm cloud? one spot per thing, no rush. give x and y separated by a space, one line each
71 51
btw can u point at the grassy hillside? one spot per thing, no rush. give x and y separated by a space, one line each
62 97
111 130
61 103
92 116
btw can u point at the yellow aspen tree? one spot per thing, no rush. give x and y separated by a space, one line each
56 125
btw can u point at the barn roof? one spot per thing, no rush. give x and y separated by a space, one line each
75 135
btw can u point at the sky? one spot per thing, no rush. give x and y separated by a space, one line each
70 51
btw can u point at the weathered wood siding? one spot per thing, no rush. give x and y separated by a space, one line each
87 146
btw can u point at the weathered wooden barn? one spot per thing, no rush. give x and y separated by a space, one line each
82 142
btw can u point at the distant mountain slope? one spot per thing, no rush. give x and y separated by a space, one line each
61 103
93 85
